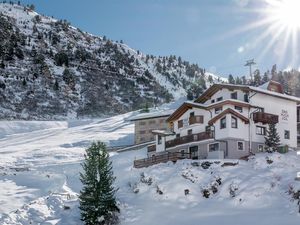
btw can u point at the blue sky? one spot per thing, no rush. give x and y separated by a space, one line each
207 32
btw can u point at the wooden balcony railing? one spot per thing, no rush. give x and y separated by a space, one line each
195 119
162 158
151 148
189 138
265 118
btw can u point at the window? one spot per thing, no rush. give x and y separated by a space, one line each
212 101
246 97
219 99
238 108
180 123
223 123
142 139
182 153
142 123
234 95
234 122
218 110
240 145
260 148
162 120
260 130
190 132
152 122
192 114
159 139
213 147
177 135
286 134
142 132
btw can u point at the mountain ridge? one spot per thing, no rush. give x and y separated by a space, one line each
52 70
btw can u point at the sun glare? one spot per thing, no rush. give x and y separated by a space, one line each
286 13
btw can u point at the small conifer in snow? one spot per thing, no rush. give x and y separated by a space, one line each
272 139
97 197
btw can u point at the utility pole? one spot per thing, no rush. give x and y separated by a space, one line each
250 63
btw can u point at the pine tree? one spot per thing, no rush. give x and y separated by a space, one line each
231 79
257 78
265 78
272 139
97 198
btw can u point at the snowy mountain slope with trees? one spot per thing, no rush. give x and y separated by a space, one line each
39 174
50 69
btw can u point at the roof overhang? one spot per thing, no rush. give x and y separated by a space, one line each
182 109
225 112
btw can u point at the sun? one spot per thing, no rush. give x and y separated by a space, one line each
285 12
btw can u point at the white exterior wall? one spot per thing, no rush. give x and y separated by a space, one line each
198 127
241 132
226 94
287 120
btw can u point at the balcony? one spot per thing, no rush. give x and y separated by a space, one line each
195 119
151 148
189 138
265 118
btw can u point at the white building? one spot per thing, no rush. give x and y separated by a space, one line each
229 121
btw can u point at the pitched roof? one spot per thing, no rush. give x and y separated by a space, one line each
265 89
152 115
183 108
216 87
225 112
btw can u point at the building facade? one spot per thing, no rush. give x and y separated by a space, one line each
145 123
229 121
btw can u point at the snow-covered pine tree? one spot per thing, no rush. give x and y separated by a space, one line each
272 139
97 197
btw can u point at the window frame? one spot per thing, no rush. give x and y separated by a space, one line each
260 133
234 95
223 125
220 99
262 148
243 145
218 110
238 108
180 124
233 118
214 143
288 136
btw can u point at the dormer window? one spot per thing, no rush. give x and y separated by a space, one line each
212 101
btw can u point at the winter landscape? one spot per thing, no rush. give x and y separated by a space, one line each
187 144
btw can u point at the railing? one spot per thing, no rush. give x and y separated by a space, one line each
265 117
195 119
162 158
151 148
189 138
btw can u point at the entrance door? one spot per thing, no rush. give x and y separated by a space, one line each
194 152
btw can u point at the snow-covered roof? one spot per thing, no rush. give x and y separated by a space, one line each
151 115
262 89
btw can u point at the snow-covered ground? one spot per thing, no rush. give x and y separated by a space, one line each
39 180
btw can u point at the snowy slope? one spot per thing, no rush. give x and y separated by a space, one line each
39 180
